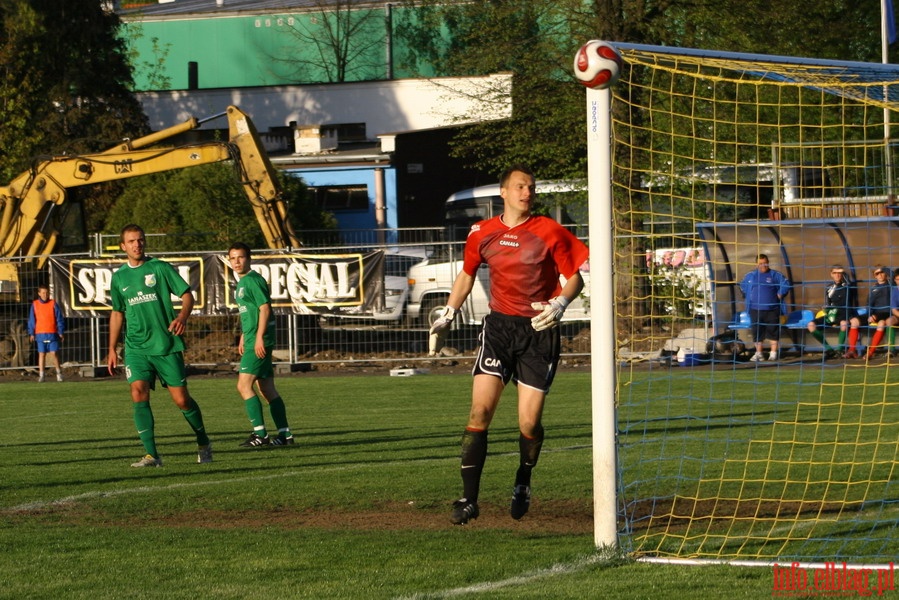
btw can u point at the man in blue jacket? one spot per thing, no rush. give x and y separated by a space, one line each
764 290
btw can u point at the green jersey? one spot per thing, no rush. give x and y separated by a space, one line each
144 295
251 293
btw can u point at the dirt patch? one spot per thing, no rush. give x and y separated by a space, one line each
567 517
564 517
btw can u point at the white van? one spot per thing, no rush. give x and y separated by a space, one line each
431 281
564 201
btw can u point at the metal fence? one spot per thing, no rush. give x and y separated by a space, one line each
304 341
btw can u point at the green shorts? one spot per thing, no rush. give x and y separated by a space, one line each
260 367
169 368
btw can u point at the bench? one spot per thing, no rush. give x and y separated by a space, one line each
742 322
799 319
795 320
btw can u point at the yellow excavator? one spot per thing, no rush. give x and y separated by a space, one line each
31 206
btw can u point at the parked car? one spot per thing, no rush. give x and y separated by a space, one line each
396 282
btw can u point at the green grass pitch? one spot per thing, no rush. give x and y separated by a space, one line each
359 508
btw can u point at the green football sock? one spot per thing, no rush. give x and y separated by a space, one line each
254 411
194 418
818 335
143 420
842 339
279 415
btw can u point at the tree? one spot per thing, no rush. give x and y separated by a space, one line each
154 66
205 208
64 87
341 40
536 41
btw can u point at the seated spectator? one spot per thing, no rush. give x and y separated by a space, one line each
839 303
879 314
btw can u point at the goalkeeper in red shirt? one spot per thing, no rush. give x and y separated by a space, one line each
519 340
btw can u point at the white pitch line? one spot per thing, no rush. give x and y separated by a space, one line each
40 504
523 579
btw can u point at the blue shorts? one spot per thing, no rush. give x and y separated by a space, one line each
46 342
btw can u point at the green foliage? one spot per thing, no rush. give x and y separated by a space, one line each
63 82
204 208
536 41
64 87
679 292
531 40
152 68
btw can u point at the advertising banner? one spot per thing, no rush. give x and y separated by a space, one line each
325 284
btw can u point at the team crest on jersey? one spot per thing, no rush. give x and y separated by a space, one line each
150 280
240 293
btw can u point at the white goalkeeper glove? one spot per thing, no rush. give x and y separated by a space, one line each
438 331
551 313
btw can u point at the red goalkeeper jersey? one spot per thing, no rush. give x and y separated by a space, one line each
525 261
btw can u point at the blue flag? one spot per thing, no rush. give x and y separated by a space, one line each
890 19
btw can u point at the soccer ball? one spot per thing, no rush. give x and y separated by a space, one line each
597 65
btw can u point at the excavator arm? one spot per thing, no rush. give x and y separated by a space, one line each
28 203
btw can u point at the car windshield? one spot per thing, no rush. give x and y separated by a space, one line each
398 265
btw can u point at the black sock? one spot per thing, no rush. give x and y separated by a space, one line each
529 450
474 454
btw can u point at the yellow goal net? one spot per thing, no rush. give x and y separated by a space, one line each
741 435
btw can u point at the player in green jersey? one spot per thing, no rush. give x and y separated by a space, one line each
257 340
141 292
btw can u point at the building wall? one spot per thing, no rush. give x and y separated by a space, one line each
238 49
427 174
349 220
252 48
384 106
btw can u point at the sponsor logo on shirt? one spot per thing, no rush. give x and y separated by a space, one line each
142 298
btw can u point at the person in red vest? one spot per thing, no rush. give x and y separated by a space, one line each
46 326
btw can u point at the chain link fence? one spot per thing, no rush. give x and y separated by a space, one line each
384 324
